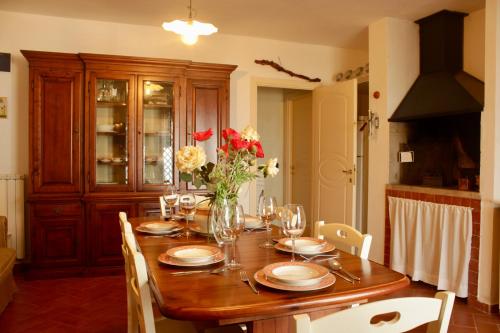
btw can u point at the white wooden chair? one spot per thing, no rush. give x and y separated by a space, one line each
409 312
140 292
341 234
126 228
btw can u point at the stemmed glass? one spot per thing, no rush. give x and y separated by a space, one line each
187 205
293 222
267 212
170 197
228 222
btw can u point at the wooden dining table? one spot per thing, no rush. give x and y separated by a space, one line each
222 299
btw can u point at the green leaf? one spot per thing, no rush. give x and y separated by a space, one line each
197 182
187 177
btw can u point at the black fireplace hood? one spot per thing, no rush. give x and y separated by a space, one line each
442 88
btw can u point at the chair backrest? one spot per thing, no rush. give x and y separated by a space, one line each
163 206
339 233
409 312
139 287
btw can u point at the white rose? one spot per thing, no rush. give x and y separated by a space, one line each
189 158
272 167
250 134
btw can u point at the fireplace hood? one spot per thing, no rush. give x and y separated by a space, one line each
442 88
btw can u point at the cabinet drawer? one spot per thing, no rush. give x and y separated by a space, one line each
63 209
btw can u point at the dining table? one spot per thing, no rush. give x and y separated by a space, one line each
223 299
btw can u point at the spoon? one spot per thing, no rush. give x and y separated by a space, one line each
336 266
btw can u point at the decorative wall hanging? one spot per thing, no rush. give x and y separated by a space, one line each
280 68
352 73
3 107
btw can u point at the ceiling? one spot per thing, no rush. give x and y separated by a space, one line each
338 23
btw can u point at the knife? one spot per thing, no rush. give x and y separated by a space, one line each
342 276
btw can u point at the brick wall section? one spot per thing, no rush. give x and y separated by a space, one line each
476 225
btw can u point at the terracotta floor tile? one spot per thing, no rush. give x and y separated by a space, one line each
98 305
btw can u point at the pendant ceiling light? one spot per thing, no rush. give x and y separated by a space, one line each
190 29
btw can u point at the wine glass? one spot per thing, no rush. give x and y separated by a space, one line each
170 197
187 206
227 224
267 213
293 223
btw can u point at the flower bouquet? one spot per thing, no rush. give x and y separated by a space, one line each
236 164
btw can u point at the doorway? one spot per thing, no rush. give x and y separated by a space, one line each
285 125
273 113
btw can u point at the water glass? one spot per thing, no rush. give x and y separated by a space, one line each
293 223
187 206
170 197
267 210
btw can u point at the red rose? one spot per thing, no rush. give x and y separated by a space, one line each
256 148
224 148
202 136
239 144
229 134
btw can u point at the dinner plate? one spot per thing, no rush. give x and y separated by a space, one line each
253 222
308 244
193 253
197 229
157 232
160 226
326 282
295 273
164 258
327 248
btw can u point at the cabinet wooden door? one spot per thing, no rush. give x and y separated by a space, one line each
149 209
55 119
111 132
104 234
157 131
57 234
207 107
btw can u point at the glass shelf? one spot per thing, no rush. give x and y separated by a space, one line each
111 131
158 132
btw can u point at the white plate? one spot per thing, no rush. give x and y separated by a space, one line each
252 222
326 282
160 226
154 232
164 258
295 273
307 244
193 253
327 248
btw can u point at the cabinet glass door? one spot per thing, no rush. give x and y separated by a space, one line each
111 131
157 111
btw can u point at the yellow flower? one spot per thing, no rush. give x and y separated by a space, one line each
250 134
189 158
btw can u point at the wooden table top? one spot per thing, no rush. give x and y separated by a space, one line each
225 298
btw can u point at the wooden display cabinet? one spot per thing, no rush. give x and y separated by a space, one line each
103 135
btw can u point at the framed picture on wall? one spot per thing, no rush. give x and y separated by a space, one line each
3 107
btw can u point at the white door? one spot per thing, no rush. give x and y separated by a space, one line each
334 116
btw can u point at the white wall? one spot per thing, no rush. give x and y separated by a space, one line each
35 32
270 125
490 159
394 66
474 44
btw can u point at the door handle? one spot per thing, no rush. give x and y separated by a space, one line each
348 172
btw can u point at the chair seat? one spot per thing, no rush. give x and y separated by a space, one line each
7 259
166 325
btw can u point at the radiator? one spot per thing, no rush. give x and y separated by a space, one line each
12 206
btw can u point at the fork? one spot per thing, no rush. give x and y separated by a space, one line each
244 278
328 256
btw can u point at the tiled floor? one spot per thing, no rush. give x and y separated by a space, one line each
97 305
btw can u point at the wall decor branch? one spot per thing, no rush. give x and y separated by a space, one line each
280 68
